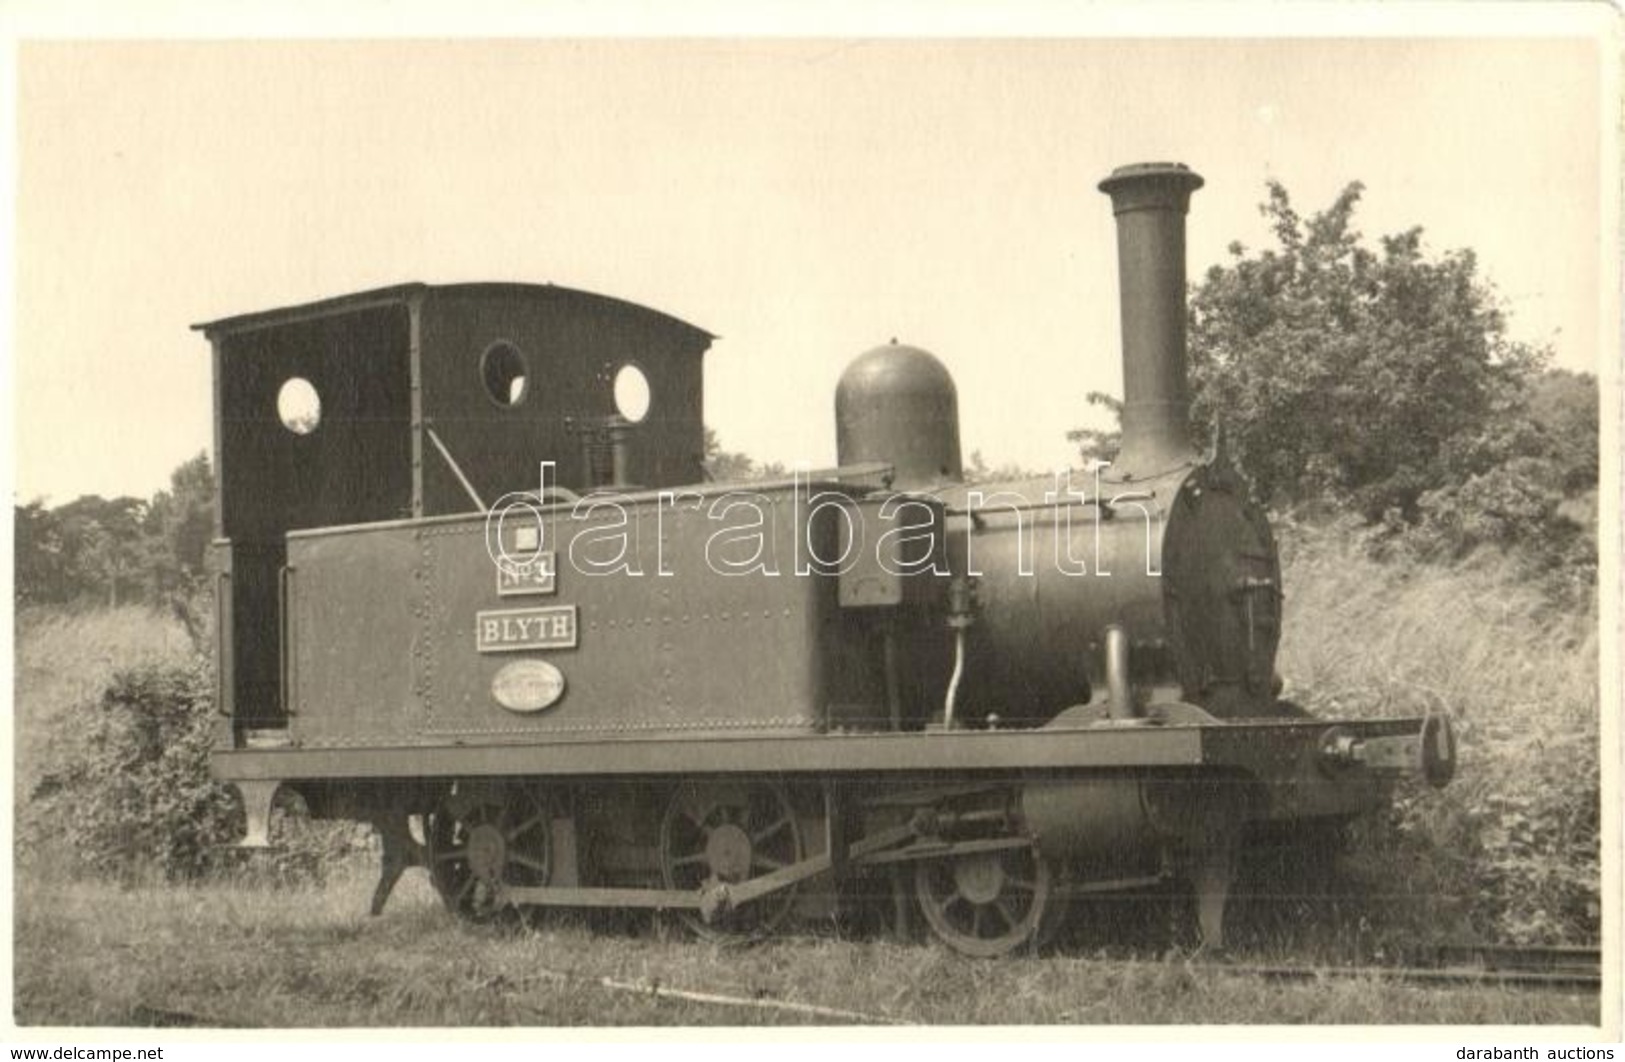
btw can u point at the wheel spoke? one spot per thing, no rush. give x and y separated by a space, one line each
1002 905
735 819
1017 908
769 830
518 816
526 826
686 810
709 819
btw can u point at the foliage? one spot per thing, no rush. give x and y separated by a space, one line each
977 471
90 547
115 783
178 529
1099 444
727 466
1510 850
1382 383
1517 508
123 549
1362 377
42 559
65 659
1534 500
1564 406
135 794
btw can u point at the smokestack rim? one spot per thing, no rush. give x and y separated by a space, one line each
1151 186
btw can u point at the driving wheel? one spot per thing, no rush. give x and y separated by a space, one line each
987 904
716 835
483 839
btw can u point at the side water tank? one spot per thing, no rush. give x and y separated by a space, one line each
897 404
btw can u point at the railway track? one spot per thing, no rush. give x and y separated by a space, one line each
1517 966
1486 965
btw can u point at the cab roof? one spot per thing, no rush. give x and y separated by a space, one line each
403 293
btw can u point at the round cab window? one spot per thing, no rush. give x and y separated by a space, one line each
507 377
298 406
632 393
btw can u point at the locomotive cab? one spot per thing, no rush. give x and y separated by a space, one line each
420 401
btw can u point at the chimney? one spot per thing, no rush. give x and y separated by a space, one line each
1150 200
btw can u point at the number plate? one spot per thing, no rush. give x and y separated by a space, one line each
536 576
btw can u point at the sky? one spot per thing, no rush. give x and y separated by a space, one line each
805 199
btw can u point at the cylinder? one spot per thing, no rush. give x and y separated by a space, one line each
1150 201
1097 825
898 405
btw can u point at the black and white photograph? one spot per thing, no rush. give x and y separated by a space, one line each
1087 525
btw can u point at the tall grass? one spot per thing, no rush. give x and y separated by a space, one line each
1512 843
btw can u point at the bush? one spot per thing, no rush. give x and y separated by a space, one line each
131 796
1517 509
133 793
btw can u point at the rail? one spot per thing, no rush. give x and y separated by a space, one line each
1507 965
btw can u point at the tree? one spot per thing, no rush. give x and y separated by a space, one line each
1362 378
1099 444
1563 405
102 547
977 471
121 549
726 466
178 529
43 571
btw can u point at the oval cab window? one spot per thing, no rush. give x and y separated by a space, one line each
632 393
298 406
507 377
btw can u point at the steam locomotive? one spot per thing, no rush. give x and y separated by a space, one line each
485 599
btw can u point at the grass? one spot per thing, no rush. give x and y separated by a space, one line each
90 954
1363 638
1510 849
